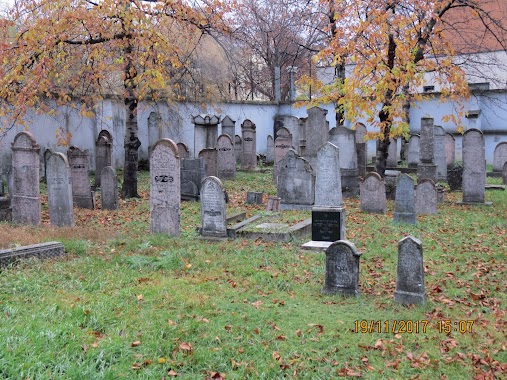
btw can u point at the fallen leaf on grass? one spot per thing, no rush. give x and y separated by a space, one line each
172 373
135 344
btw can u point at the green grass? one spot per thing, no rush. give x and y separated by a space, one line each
124 303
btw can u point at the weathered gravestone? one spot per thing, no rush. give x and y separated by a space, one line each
103 154
293 124
226 161
373 194
273 203
404 208
361 149
450 149
228 127
270 150
439 152
455 177
210 157
410 275
60 201
183 151
109 189
47 153
249 149
342 269
47 250
79 162
5 209
238 148
213 208
25 201
165 188
426 197
205 132
345 140
283 143
426 167
499 157
413 151
296 182
192 174
504 173
254 197
315 134
392 154
474 167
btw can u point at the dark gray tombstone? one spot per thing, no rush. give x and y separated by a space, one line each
228 127
41 251
192 174
439 153
189 191
455 177
426 167
79 162
450 149
404 208
283 143
390 178
254 197
238 148
5 209
165 188
474 167
213 208
413 151
410 275
426 197
504 173
345 140
315 130
25 201
109 188
361 149
210 157
249 149
392 154
205 132
342 269
270 150
103 154
373 194
296 182
499 157
183 151
226 161
58 177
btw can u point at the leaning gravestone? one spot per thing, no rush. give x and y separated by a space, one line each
439 152
410 275
79 162
474 167
103 154
450 149
249 149
342 269
404 209
165 188
25 201
426 198
392 153
426 167
210 157
270 150
58 177
226 162
345 140
296 182
373 194
283 143
109 189
361 150
213 208
499 157
183 150
238 148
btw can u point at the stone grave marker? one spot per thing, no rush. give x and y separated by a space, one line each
210 157
25 201
450 149
213 208
205 131
5 209
273 203
254 197
504 173
109 188
361 149
439 153
183 151
270 150
410 275
413 151
249 149
404 208
296 182
165 188
238 148
345 140
228 127
192 174
373 194
455 177
103 154
79 162
342 269
426 167
315 133
154 130
283 143
426 197
58 177
499 157
392 153
47 153
226 161
41 251
474 167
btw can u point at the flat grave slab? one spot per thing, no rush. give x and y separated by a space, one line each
41 251
271 229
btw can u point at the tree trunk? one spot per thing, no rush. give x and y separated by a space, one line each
383 146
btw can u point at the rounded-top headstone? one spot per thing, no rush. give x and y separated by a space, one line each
500 156
342 269
474 167
213 209
60 201
410 275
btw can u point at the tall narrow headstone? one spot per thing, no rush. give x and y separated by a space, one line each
413 151
226 161
183 151
238 148
283 143
249 153
210 157
316 133
228 127
296 182
404 208
499 157
109 188
439 153
213 208
205 132
410 275
361 150
450 149
270 150
47 154
79 162
25 201
426 197
58 177
165 188
426 167
373 194
103 154
345 140
474 167
342 269
392 153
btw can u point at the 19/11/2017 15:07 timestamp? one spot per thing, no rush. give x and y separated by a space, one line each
411 327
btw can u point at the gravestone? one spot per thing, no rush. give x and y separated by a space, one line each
210 157
226 161
390 178
504 173
47 154
315 133
474 167
361 150
228 127
404 209
25 201
79 162
192 174
5 209
183 151
213 208
103 154
273 203
283 143
249 149
189 191
413 151
373 194
345 140
342 269
426 197
109 188
410 274
296 182
205 132
238 148
392 154
270 150
254 197
499 157
450 149
41 251
58 177
426 167
165 188
294 125
455 177
439 153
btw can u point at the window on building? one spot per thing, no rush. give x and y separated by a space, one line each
478 86
429 88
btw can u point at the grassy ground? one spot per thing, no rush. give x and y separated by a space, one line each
127 304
